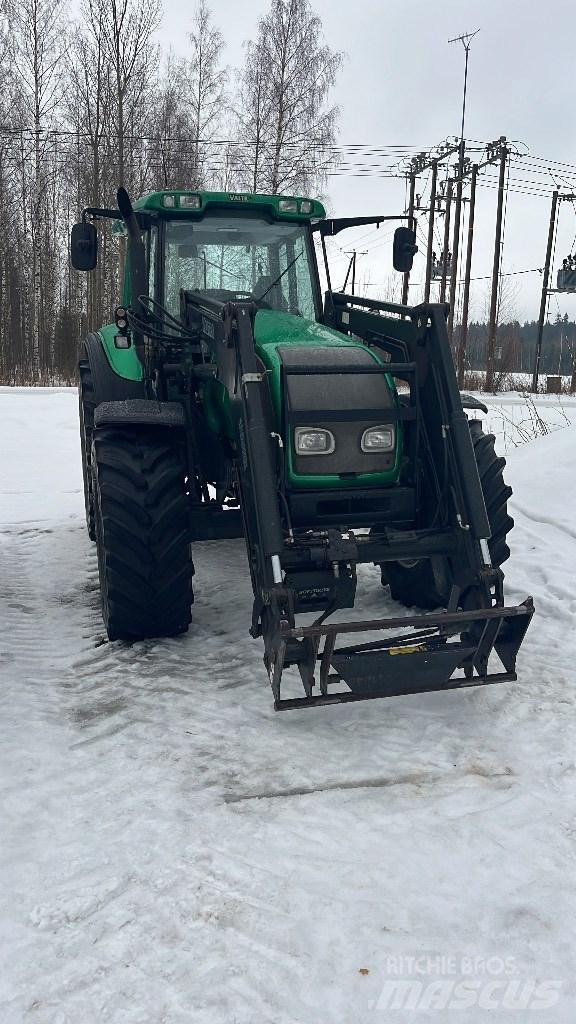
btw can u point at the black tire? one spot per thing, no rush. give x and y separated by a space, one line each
97 382
142 533
418 585
87 404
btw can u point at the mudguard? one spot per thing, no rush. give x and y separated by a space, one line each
108 386
469 402
140 412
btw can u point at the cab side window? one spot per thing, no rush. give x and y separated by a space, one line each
151 248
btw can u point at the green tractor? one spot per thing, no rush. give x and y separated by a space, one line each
230 399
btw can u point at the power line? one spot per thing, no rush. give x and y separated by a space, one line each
353 148
486 277
532 164
370 150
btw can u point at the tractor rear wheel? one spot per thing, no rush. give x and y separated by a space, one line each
416 585
142 533
87 404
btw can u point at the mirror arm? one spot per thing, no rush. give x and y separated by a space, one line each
333 226
144 218
94 212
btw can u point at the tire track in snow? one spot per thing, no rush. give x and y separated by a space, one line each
134 890
541 520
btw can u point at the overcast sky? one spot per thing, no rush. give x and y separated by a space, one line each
401 84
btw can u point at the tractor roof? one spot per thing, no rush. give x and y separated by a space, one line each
293 208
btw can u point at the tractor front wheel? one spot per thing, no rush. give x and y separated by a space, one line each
142 533
416 584
87 403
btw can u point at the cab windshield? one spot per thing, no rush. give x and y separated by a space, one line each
235 258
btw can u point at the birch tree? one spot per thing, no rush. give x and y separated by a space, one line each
128 27
39 41
87 107
89 111
12 353
207 85
285 114
173 152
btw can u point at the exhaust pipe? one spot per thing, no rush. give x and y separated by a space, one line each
136 263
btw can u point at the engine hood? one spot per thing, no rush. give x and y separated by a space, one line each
272 327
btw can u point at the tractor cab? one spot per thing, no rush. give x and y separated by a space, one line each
233 258
230 247
204 251
227 246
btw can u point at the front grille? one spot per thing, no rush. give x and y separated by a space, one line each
347 457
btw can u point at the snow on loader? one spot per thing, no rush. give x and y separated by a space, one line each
227 400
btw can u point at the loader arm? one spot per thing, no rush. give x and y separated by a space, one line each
227 330
442 651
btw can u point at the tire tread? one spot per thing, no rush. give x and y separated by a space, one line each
415 587
142 533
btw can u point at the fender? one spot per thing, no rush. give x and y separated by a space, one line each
140 412
108 385
469 402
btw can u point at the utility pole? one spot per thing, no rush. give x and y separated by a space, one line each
492 324
418 164
410 222
446 239
429 161
350 262
430 245
466 40
467 272
456 238
352 267
544 296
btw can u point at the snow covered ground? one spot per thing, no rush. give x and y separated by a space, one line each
171 850
516 418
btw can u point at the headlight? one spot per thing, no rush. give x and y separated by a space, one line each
190 202
314 441
378 439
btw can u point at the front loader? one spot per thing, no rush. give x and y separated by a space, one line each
228 399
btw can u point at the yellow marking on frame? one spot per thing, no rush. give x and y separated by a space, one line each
414 649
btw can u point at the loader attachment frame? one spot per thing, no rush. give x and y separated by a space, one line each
419 662
447 650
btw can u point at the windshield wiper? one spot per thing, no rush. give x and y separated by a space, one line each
279 278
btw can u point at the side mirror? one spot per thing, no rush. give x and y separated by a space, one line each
405 249
83 246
